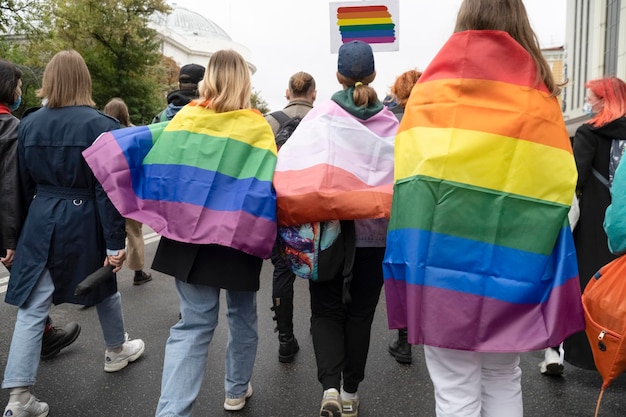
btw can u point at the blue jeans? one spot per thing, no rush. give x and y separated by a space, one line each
187 348
25 351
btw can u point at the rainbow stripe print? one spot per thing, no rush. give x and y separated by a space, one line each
203 178
370 24
480 255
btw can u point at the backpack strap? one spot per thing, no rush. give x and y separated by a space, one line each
349 232
280 116
600 178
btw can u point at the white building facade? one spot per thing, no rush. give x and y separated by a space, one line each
190 38
595 47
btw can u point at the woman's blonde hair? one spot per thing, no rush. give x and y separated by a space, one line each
226 83
66 81
118 109
509 16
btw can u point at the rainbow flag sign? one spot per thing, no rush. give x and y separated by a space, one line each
373 22
480 254
204 178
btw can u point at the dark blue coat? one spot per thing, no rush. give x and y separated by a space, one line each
70 221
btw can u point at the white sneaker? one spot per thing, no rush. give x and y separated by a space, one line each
331 404
131 351
33 408
349 403
235 404
552 364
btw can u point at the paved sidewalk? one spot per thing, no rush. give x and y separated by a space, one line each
74 383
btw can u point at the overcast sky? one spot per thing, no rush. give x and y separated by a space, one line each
287 36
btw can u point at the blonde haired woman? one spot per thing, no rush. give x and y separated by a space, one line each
71 229
209 170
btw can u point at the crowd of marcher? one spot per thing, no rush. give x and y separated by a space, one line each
452 194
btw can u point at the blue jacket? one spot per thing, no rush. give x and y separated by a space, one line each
70 221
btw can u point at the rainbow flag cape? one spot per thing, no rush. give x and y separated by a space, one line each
336 167
203 178
479 251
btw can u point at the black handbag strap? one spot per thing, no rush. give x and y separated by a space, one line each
349 239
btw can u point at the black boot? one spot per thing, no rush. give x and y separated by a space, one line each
401 349
56 339
283 314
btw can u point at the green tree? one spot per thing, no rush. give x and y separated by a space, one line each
121 51
14 13
258 103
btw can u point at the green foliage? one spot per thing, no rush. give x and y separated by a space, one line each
121 51
31 75
258 103
13 14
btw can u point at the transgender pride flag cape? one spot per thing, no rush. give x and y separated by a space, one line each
479 251
336 166
204 178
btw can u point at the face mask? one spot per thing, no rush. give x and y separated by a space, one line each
587 108
15 105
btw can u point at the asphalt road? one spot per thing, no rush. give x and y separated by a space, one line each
75 385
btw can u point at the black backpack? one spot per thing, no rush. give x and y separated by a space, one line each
286 128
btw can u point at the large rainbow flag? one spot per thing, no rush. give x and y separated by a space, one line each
204 178
479 251
336 167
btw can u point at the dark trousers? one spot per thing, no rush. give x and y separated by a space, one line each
283 278
341 332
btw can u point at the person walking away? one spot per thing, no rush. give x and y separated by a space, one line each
54 338
116 107
301 95
71 229
400 348
598 147
188 78
480 264
324 173
215 233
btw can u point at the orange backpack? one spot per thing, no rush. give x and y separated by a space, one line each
604 304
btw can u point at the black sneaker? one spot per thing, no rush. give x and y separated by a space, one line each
56 339
142 279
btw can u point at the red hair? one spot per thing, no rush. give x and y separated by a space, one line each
612 92
403 85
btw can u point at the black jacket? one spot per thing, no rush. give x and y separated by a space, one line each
176 100
592 147
210 265
10 207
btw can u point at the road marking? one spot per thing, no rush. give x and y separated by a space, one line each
151 238
148 238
